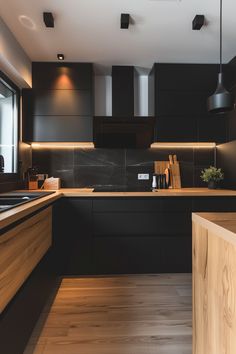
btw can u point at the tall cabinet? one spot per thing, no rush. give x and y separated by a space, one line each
60 105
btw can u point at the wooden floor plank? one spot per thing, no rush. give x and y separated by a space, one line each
133 314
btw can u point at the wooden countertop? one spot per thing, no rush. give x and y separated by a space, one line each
221 224
183 192
17 213
10 216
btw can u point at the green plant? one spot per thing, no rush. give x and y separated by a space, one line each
212 174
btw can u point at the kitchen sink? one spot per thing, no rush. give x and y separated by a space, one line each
13 199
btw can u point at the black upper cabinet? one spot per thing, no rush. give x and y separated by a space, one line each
192 77
62 76
178 98
123 91
62 102
60 106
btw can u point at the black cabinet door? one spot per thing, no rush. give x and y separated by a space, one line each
62 76
62 128
176 129
192 77
117 255
73 237
62 102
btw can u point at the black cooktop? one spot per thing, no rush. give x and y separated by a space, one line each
121 189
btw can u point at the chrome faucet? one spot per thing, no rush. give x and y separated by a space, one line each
1 164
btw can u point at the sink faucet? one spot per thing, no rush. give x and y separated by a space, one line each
1 164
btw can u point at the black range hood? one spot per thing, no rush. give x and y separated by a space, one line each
123 130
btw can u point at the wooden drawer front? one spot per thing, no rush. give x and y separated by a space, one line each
21 249
141 224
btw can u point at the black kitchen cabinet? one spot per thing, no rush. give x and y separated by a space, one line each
60 106
72 237
178 99
63 76
130 235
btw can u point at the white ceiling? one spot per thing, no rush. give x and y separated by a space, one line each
89 30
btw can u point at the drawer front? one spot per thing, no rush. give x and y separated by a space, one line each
21 249
63 102
126 255
127 205
155 224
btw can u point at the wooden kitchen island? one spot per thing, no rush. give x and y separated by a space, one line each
214 283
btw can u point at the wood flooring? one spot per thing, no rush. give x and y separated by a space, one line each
135 314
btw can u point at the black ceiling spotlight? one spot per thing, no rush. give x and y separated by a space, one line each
60 56
198 22
221 101
48 19
124 21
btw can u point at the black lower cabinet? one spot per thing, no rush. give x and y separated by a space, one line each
72 225
129 235
20 316
127 254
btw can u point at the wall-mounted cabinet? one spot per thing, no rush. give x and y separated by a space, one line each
60 106
178 99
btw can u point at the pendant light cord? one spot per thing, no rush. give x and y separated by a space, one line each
221 10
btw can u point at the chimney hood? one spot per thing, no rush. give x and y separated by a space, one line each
123 129
123 132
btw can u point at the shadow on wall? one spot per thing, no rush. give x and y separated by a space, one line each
226 159
118 167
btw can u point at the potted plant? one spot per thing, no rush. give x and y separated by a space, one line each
212 176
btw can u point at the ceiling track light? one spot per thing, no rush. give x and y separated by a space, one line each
124 21
221 101
198 22
48 19
60 56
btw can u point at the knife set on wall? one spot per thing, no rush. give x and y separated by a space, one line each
167 173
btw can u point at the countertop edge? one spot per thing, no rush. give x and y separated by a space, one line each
212 226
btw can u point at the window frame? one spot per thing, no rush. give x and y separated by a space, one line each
14 176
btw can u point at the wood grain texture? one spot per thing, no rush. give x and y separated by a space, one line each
214 293
21 249
114 315
10 216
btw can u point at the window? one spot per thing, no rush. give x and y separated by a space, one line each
8 126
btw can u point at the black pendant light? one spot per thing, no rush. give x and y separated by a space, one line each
221 101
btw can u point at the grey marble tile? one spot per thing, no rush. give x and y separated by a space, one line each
99 157
93 176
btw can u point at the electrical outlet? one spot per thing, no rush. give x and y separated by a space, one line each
143 176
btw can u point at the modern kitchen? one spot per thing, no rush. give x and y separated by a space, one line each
117 177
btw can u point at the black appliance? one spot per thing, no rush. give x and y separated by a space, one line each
121 132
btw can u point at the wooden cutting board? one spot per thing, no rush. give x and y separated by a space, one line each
175 172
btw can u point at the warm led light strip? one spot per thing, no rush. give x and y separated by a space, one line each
184 145
63 145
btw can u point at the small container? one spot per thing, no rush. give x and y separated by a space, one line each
154 182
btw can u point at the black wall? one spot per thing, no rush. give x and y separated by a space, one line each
117 167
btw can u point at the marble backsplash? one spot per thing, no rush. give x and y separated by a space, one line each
118 167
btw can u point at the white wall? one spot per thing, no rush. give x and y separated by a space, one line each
13 60
103 96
